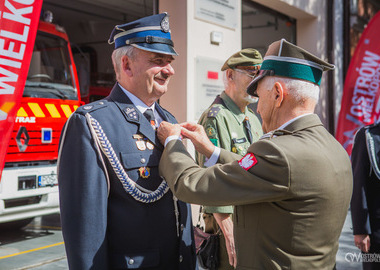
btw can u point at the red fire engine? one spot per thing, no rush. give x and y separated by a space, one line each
51 94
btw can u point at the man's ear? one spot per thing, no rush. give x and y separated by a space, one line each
230 75
279 92
126 65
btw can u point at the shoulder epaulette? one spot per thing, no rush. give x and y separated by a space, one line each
93 106
213 112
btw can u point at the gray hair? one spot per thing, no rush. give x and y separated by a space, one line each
300 90
118 54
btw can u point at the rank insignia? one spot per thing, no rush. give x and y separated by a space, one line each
144 172
248 161
132 114
149 145
141 145
213 112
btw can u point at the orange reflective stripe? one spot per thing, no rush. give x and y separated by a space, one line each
36 110
53 110
66 109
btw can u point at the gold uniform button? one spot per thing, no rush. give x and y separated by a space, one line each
131 261
180 258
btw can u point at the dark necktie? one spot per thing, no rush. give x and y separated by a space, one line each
247 126
150 116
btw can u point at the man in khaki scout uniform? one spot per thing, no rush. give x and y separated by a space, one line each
292 189
231 125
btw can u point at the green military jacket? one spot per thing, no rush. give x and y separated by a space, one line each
291 194
223 123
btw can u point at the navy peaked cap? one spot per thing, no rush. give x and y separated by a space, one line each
150 33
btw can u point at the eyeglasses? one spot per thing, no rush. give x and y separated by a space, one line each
250 73
252 87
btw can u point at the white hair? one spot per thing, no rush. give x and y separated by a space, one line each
118 54
300 90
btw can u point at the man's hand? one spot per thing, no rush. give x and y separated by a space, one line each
167 129
226 225
362 242
198 137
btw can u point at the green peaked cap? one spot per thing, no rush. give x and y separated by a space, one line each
285 59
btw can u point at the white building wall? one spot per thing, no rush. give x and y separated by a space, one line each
191 38
338 58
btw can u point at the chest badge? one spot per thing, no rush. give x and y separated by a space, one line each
144 172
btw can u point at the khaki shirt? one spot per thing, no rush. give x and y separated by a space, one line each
224 126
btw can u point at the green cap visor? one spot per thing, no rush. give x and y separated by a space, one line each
289 69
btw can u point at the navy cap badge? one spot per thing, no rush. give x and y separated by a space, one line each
165 24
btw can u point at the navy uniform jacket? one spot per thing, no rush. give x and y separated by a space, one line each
365 203
115 231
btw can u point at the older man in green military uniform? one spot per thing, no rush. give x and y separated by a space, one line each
231 125
292 189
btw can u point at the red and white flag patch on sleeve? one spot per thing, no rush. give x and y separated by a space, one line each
248 161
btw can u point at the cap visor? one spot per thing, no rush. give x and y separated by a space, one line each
156 47
251 89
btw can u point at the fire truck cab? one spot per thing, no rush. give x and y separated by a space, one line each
29 186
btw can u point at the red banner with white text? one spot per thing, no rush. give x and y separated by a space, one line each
18 27
360 102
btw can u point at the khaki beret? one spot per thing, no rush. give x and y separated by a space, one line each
245 57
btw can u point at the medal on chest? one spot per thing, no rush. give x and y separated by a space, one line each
144 172
141 145
149 145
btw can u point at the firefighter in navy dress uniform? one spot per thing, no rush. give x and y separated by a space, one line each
116 211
